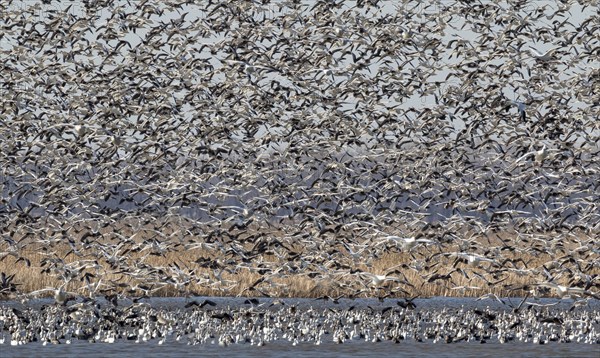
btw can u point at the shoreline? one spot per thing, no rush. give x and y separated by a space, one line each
238 321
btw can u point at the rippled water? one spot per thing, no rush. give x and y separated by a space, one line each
327 349
351 348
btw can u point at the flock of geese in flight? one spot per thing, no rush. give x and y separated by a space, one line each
286 140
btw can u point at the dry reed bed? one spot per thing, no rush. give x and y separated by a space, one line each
285 279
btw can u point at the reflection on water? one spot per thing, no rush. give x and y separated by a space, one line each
329 349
